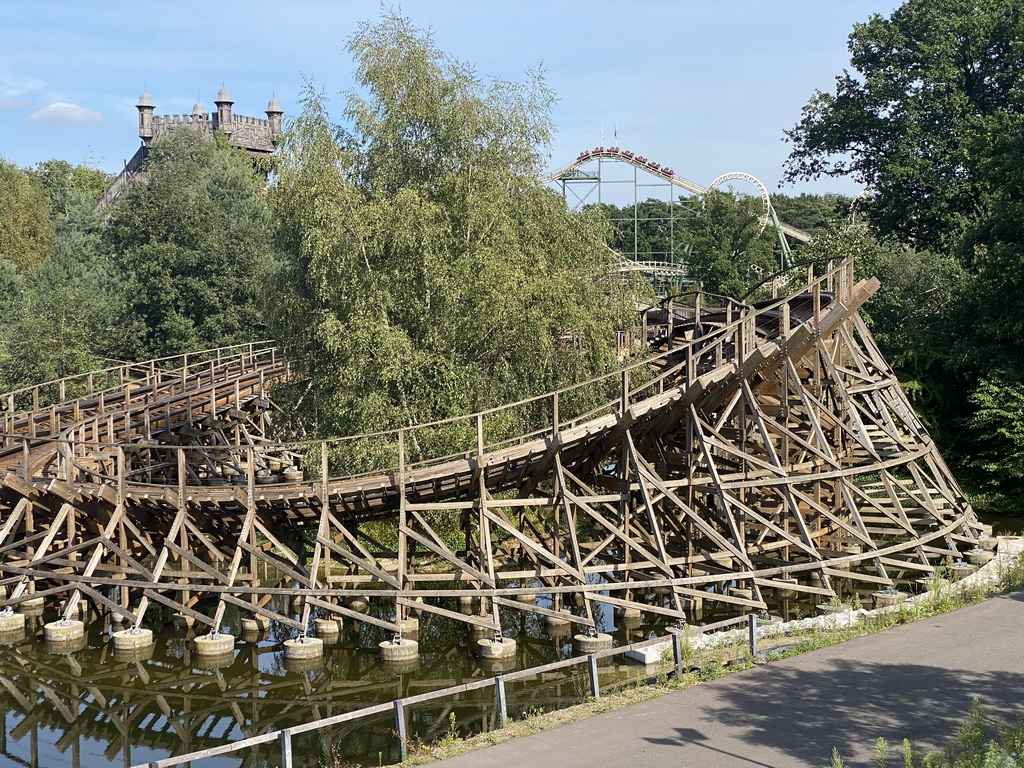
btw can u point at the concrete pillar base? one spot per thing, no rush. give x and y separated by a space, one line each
784 593
32 605
988 543
465 604
558 628
883 599
488 648
64 631
1010 545
529 599
255 624
399 650
963 570
358 604
219 644
11 622
979 556
409 626
304 648
327 629
182 621
587 644
133 639
479 633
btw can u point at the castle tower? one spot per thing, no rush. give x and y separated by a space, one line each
145 107
224 102
274 113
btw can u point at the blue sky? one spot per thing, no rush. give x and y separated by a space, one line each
705 86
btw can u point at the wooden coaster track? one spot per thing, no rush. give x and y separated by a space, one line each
764 450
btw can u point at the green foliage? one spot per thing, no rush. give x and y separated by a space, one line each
998 423
194 243
26 232
70 188
426 271
913 120
812 213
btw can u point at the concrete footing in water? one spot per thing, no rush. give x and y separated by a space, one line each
254 624
489 648
592 643
401 649
215 644
409 626
327 629
304 648
132 639
64 631
555 626
11 622
358 604
32 605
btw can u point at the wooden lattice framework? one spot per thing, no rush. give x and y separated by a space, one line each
763 450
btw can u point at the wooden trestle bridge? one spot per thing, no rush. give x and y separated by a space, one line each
761 451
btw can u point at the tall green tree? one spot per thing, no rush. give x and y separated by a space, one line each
193 242
26 231
913 119
427 272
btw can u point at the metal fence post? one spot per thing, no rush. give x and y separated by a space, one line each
286 748
752 627
677 652
595 685
400 730
499 693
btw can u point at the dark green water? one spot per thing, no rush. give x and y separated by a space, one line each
91 708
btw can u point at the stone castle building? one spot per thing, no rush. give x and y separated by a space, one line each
255 134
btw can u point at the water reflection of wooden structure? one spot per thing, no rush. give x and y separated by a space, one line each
57 708
764 447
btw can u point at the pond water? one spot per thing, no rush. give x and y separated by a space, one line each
92 708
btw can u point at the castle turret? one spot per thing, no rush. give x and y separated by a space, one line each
224 102
145 107
274 113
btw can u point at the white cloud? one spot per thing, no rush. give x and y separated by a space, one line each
16 85
63 113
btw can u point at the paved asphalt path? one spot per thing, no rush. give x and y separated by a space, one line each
914 681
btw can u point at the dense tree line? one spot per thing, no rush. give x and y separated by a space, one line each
930 118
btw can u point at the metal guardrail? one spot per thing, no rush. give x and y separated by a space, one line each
399 707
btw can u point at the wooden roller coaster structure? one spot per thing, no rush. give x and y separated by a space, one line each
761 451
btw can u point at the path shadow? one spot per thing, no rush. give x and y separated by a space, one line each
793 711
